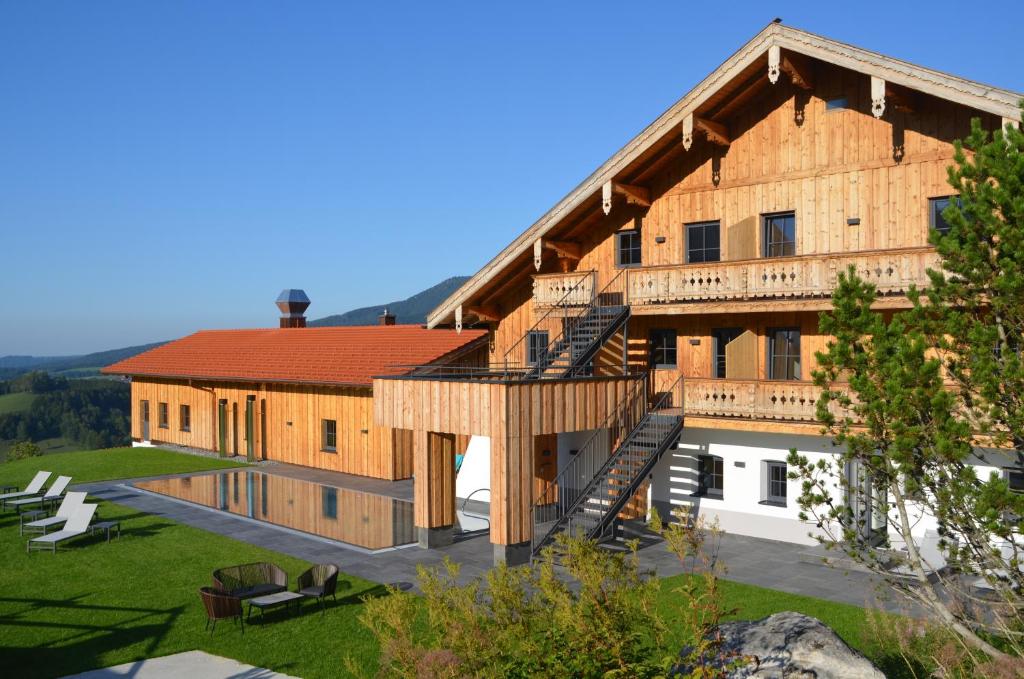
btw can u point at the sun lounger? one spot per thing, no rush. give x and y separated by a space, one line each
33 488
76 525
53 494
72 501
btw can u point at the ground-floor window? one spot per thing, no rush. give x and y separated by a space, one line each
329 435
1015 479
711 476
185 418
161 415
774 483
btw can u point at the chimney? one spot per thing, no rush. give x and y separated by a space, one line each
293 304
386 318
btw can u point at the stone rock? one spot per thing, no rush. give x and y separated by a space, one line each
791 646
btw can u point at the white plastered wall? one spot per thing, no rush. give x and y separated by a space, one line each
475 472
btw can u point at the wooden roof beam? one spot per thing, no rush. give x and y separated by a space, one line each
717 133
798 68
902 98
635 195
484 312
568 249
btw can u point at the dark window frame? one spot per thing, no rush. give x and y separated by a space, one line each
718 347
534 345
707 477
935 212
185 417
635 249
837 103
163 415
658 346
703 249
772 485
771 354
776 249
329 502
328 439
1019 473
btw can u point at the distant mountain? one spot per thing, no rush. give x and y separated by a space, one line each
411 310
86 363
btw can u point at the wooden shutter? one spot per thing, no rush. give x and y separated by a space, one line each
741 357
742 240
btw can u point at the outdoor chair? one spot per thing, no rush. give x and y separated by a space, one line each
933 561
33 488
220 606
319 582
76 525
72 501
54 493
250 580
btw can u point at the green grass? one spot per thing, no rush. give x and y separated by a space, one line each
17 402
109 464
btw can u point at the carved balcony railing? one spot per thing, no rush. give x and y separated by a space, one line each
802 277
752 399
567 289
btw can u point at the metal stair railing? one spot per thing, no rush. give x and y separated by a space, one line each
566 305
562 494
618 478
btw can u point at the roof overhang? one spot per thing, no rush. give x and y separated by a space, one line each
985 98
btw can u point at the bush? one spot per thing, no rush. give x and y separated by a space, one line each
23 450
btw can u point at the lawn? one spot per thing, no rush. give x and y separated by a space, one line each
17 402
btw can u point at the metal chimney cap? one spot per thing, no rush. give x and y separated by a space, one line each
293 295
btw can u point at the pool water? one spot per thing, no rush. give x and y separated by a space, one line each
362 520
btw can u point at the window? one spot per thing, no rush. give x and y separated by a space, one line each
935 207
784 354
185 418
710 476
836 104
773 489
627 252
702 242
536 346
720 338
161 415
780 235
1015 478
329 500
329 435
663 349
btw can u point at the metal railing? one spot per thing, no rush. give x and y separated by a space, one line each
569 305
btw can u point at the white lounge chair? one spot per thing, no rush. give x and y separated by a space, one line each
76 525
72 501
33 488
52 494
933 561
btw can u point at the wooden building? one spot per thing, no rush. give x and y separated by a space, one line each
696 259
292 394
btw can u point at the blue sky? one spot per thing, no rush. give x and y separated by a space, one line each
170 166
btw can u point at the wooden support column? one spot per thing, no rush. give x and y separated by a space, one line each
512 461
434 487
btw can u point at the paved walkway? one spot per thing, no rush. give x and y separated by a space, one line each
767 563
192 664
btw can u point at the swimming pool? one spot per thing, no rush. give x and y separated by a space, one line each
362 520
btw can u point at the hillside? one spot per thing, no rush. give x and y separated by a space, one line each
14 365
411 310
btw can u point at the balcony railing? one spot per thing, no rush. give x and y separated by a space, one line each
786 401
568 289
802 277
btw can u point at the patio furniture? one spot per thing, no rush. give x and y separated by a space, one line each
220 606
54 493
76 525
107 526
262 603
319 582
250 580
33 488
71 502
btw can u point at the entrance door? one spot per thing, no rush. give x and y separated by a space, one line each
222 427
867 503
250 428
145 419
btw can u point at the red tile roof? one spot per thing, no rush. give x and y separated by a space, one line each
340 355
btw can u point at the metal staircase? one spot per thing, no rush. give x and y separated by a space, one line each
589 493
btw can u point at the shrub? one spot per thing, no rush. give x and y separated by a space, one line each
23 450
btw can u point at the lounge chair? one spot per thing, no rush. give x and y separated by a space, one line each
53 494
76 525
933 561
319 582
220 606
33 488
72 501
250 580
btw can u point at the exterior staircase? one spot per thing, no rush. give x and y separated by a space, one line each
581 338
592 490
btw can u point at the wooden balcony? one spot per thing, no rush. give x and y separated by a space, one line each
571 289
751 399
794 279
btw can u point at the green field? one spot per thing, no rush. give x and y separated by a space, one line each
17 402
95 604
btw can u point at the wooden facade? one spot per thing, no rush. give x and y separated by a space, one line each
287 424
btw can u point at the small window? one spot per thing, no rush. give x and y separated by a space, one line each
536 346
784 354
775 483
329 435
185 417
837 104
329 499
720 338
627 252
780 235
935 208
663 349
711 479
1015 479
161 416
703 242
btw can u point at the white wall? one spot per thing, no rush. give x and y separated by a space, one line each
475 472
